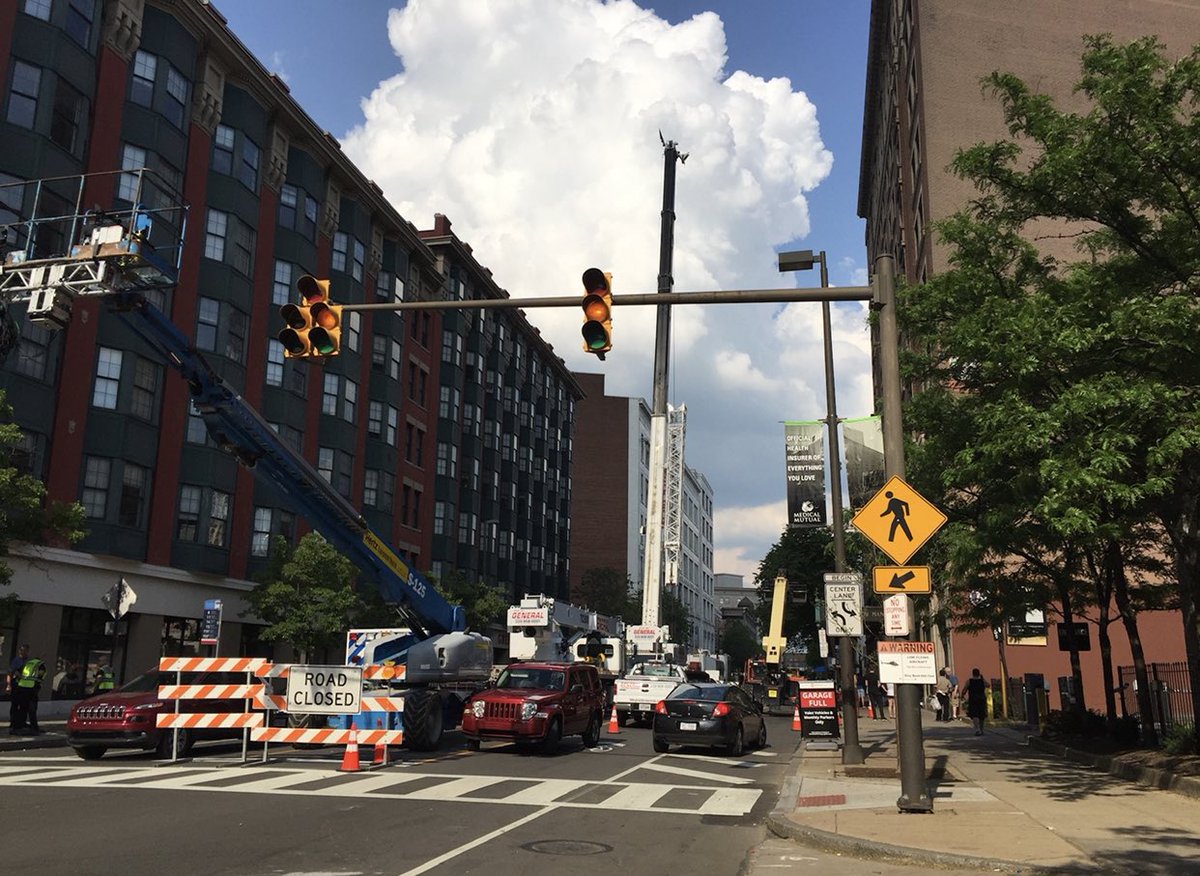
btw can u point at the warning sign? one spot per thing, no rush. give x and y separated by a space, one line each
899 520
907 663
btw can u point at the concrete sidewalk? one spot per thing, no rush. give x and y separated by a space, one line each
999 805
54 735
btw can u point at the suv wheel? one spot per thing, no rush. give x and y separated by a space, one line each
165 745
91 752
591 736
553 735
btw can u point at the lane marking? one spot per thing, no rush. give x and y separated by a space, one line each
697 774
478 841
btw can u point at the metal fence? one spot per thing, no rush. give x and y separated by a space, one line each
1170 694
1016 699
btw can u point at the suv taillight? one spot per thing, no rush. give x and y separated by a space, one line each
720 709
661 708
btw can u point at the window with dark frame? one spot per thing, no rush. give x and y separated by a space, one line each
23 94
141 80
134 481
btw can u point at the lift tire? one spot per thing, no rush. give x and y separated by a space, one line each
423 720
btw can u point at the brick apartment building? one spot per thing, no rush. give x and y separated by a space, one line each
923 102
430 422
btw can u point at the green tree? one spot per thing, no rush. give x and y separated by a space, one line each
676 616
739 643
306 595
608 591
1059 414
485 603
26 516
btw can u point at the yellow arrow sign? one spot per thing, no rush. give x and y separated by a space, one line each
901 579
899 520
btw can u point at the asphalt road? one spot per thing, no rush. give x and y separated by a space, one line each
617 809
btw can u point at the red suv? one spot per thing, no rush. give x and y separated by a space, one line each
537 703
125 718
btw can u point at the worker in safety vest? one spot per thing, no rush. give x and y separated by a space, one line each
26 688
105 679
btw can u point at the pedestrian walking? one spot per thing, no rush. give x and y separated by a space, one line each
25 687
943 695
880 692
976 694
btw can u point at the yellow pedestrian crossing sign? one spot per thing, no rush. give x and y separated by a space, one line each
899 520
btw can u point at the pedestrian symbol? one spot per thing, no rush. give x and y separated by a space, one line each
899 520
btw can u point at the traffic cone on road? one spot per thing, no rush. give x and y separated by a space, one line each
870 710
614 725
796 718
350 758
380 746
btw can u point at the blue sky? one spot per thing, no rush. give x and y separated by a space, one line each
532 125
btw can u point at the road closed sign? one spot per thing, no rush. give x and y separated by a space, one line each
325 690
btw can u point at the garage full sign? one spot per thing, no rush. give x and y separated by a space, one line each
325 690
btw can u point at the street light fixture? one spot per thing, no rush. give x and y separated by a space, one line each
804 260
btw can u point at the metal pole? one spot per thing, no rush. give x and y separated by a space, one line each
652 566
852 752
112 661
914 792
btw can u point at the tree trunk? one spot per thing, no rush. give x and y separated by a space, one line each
1000 641
1182 521
1129 618
1106 666
1078 706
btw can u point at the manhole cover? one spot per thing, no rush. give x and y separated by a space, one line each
567 847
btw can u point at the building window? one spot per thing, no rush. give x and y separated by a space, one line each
222 159
275 362
287 206
175 105
235 336
79 21
132 158
23 95
309 226
188 524
133 495
218 518
242 255
447 459
260 538
70 110
393 424
108 379
330 393
208 317
38 9
33 352
96 473
141 83
248 170
370 487
379 348
375 419
325 463
350 407
353 330
360 260
394 363
145 390
298 378
281 288
197 432
341 244
383 285
214 237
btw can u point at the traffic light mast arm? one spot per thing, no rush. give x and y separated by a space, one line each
239 429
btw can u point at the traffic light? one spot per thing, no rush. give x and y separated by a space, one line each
313 328
597 312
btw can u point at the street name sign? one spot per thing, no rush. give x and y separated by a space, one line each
843 606
907 663
898 520
901 579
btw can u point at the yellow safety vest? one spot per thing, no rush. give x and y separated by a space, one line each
106 681
32 673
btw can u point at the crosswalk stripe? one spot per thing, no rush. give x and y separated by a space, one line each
673 770
392 785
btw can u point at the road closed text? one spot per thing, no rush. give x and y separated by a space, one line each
324 690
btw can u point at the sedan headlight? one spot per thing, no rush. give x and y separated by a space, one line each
528 710
478 707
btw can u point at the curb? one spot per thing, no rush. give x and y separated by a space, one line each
28 743
856 847
1163 780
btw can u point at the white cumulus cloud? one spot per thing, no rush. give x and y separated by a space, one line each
534 126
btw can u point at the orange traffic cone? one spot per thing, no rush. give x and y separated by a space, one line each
870 710
380 746
350 758
614 726
796 718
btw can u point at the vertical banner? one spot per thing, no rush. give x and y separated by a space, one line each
863 440
805 455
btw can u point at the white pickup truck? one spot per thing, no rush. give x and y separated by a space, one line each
639 691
